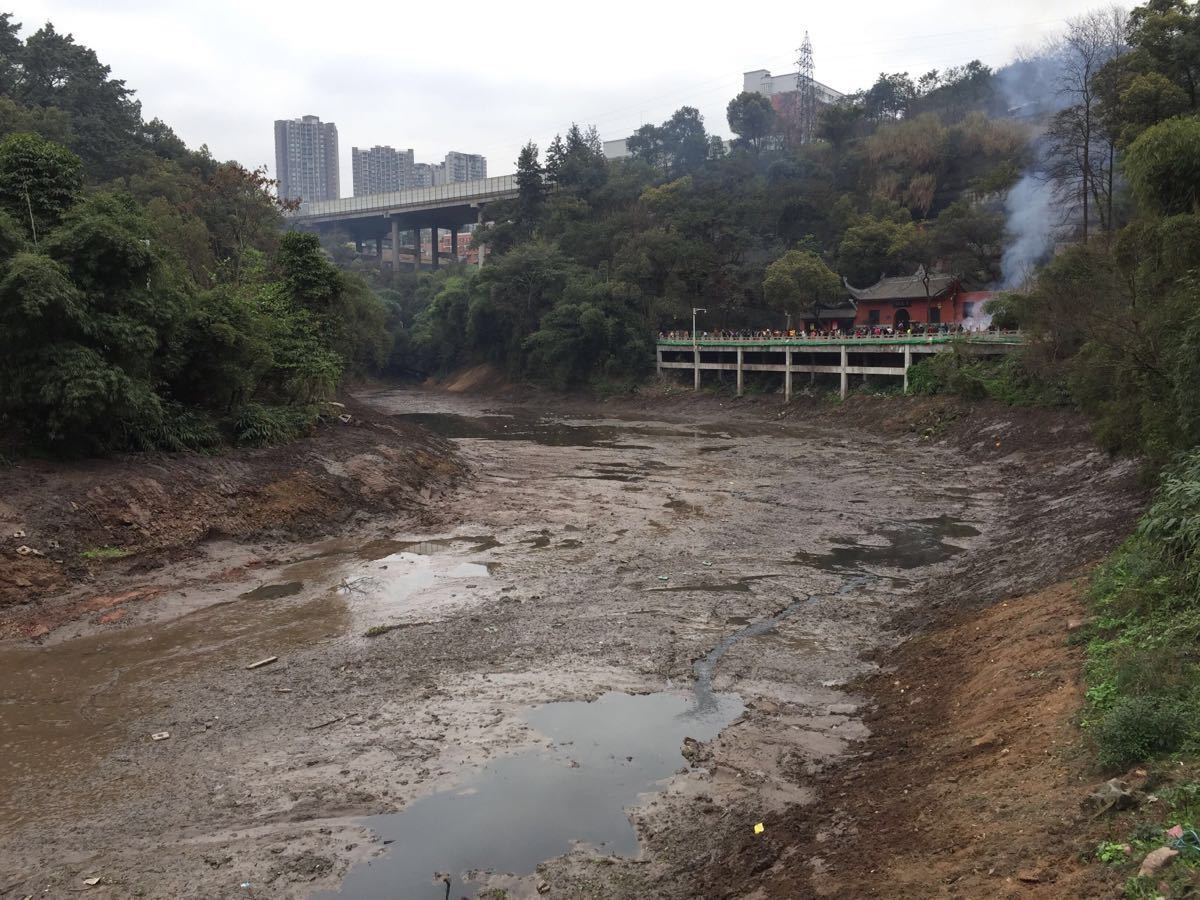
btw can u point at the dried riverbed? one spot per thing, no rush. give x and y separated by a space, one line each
616 648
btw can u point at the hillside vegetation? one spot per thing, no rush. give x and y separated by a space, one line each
149 297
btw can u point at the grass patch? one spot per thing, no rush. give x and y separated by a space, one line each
1143 665
104 553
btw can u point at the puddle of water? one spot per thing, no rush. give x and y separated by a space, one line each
273 591
521 810
65 706
909 546
394 581
373 550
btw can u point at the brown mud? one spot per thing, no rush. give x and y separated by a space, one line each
102 532
689 552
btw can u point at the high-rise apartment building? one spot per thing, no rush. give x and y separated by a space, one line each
422 175
381 170
464 166
306 158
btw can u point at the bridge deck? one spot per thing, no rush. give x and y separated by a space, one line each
455 196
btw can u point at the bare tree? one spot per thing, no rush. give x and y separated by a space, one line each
1082 152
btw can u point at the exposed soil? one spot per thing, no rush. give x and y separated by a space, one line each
668 545
101 530
973 781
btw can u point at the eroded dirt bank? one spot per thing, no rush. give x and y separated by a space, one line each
95 537
587 556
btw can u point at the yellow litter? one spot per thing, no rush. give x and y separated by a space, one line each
760 828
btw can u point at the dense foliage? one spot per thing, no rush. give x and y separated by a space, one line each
595 256
148 296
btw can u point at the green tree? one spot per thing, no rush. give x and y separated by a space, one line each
39 181
752 118
1164 166
800 282
876 247
531 185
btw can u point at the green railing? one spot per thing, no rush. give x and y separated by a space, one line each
1011 338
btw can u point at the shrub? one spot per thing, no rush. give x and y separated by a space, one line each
1139 728
257 425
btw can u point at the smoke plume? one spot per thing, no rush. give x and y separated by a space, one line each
1030 211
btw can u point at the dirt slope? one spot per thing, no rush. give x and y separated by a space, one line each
98 522
972 781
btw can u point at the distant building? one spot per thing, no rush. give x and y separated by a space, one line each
306 159
464 167
924 298
761 81
422 175
616 149
381 170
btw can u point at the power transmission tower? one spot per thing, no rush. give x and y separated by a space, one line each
806 94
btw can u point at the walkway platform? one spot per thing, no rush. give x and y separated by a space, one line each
845 357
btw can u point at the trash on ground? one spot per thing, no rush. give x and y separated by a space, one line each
160 735
760 828
90 882
263 662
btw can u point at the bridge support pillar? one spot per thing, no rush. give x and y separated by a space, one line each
787 374
740 363
435 246
658 358
379 253
358 246
844 373
907 365
696 365
395 247
416 249
454 243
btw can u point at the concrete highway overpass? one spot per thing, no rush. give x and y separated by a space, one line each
401 218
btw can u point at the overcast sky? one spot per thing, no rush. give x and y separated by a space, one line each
485 78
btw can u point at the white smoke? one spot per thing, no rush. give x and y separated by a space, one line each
1030 211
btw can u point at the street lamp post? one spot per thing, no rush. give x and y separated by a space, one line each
696 346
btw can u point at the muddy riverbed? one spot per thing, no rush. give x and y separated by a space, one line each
616 648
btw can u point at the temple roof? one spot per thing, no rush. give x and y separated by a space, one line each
905 287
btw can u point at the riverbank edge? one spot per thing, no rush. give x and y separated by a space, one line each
84 539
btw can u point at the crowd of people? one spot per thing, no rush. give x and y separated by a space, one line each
835 332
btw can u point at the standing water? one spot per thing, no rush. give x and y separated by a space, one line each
521 810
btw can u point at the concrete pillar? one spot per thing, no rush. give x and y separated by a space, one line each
812 375
845 374
658 358
696 365
379 252
435 245
358 245
907 365
416 249
740 363
454 242
787 374
395 246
